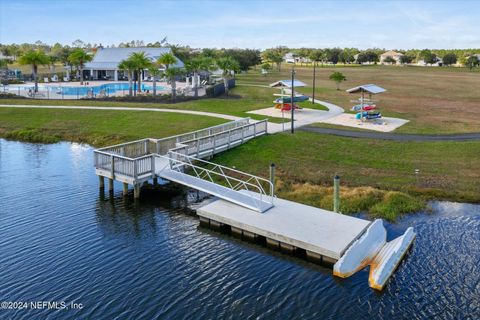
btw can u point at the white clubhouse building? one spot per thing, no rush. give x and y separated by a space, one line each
104 65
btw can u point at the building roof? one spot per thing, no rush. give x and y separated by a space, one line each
287 84
392 53
109 58
370 88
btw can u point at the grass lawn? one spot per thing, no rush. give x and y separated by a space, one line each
242 99
435 100
96 127
307 162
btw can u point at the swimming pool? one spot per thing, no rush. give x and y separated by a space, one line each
107 88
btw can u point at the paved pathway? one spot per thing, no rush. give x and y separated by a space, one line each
393 136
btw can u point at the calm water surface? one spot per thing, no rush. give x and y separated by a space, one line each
62 240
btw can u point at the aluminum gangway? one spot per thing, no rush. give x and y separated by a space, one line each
181 159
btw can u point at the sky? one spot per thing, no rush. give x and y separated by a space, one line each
246 24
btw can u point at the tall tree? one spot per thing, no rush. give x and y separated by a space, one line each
34 58
171 73
78 58
128 66
227 65
195 65
167 60
141 62
154 72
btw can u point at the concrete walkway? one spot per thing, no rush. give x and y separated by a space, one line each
394 136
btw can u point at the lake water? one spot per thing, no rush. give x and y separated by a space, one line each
61 240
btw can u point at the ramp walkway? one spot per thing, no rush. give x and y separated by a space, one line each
180 159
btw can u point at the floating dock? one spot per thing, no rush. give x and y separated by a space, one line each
323 234
246 203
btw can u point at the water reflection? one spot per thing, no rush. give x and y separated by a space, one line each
62 238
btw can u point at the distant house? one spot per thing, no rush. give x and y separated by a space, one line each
2 57
104 65
395 55
290 57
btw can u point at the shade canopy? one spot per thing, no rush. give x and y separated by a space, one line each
370 88
287 84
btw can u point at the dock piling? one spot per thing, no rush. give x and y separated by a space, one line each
125 189
272 176
101 182
136 191
336 194
110 185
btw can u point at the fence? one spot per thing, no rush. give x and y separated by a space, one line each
219 88
74 91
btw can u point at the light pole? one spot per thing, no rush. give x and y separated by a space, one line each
291 102
313 92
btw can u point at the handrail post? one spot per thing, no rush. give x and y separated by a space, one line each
112 169
135 170
153 166
254 130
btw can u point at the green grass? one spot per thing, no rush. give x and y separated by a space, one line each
242 99
446 169
434 99
96 127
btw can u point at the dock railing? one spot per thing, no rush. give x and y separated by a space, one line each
135 160
228 177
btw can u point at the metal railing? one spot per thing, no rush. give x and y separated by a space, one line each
135 161
142 147
227 177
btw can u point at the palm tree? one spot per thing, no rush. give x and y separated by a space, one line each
227 64
167 60
154 71
171 73
35 59
78 58
195 65
129 66
142 62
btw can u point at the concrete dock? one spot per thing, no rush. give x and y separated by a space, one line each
324 234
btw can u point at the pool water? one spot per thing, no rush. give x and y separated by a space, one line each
108 88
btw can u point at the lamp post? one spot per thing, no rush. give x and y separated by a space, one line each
313 90
291 102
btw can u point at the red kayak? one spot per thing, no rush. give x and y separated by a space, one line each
371 107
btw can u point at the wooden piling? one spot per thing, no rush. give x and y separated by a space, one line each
110 185
204 222
273 244
286 248
101 182
314 257
136 191
237 232
125 189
